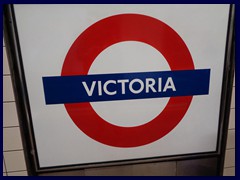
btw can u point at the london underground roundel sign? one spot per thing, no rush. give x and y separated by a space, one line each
75 88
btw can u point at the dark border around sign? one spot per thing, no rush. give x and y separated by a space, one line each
228 74
19 86
24 109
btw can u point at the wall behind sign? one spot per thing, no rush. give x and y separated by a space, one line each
13 151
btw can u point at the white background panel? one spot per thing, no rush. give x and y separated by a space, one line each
47 32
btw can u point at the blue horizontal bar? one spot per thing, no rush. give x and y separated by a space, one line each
123 86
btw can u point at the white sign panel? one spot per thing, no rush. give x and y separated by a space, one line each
119 82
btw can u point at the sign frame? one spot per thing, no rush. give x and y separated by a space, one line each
24 112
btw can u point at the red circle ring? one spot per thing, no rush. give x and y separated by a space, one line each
115 29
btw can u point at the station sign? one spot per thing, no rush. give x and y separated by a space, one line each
109 83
